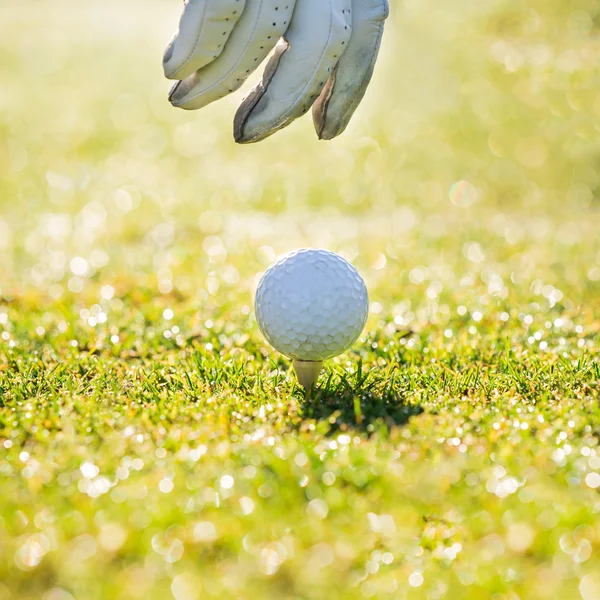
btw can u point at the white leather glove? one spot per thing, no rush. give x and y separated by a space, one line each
325 52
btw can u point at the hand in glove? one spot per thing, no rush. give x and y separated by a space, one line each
325 52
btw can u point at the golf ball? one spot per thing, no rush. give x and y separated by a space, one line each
311 305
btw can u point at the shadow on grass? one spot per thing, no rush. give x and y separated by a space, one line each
363 401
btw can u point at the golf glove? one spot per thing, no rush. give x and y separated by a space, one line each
325 52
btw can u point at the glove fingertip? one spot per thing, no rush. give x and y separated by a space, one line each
248 127
179 95
172 93
167 56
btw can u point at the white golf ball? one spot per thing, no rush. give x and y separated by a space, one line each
311 305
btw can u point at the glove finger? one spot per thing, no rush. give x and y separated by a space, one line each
297 72
347 85
204 28
257 32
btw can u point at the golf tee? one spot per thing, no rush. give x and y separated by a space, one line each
307 372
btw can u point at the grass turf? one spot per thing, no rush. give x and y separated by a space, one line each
153 446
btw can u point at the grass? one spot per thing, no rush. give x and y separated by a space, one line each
153 446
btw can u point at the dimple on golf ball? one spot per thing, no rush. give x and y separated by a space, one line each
311 305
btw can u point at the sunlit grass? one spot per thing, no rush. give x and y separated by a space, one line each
153 446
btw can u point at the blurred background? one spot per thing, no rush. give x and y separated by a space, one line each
132 235
477 145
